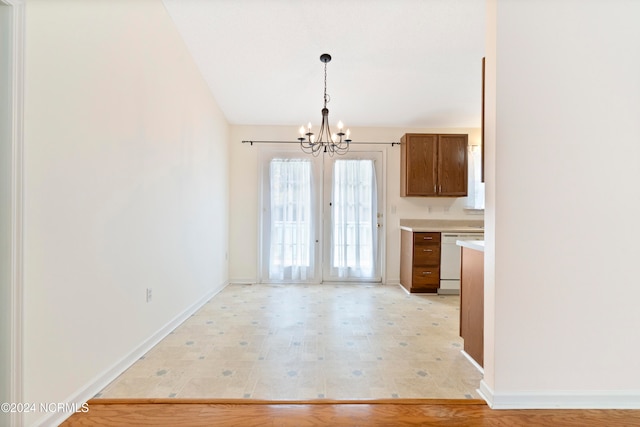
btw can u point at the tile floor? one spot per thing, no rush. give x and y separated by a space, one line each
309 342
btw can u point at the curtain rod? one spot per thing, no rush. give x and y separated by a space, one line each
298 142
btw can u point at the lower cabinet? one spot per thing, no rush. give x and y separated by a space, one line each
420 261
472 304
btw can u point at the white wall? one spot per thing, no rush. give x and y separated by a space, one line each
243 264
564 204
126 187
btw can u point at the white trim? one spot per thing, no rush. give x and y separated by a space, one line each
243 281
385 224
568 400
473 362
554 399
17 202
404 289
486 393
94 386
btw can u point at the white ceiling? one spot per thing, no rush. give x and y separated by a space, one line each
398 63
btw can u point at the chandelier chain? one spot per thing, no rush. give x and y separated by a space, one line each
327 98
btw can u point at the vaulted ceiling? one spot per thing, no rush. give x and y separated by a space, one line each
404 63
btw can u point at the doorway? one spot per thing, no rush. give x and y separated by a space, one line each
321 217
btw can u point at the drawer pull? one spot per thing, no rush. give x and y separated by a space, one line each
426 272
427 250
428 238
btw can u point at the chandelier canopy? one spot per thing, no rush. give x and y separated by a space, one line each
325 141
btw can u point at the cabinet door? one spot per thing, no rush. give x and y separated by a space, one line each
419 155
452 165
426 279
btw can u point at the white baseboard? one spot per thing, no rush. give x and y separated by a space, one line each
472 361
553 399
254 281
486 393
101 381
404 289
243 281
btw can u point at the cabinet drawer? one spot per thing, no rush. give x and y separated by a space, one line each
426 276
419 238
426 254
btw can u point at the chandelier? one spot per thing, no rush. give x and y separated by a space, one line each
325 141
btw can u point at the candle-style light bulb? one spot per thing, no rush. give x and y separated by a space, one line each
301 130
313 139
309 127
348 133
340 125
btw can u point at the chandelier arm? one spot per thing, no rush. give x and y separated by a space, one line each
324 136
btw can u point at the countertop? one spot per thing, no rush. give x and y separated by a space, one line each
478 245
440 225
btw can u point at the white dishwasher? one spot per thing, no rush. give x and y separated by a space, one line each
450 260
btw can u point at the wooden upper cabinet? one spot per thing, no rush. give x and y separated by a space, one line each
419 154
433 165
452 165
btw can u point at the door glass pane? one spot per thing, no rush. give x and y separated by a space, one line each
291 225
353 222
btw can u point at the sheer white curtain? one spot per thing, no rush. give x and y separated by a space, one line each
291 220
476 186
354 222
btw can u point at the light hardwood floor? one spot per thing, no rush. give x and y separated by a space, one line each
396 413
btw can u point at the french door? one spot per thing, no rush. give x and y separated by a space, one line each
352 217
321 217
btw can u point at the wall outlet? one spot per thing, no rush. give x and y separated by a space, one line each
149 295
